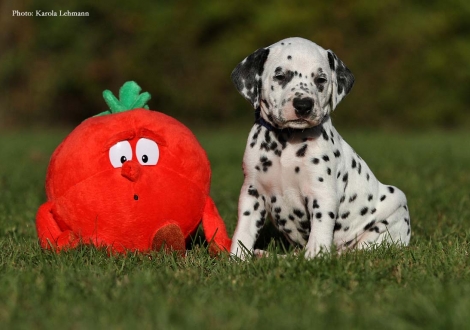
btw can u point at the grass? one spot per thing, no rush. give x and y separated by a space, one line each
426 285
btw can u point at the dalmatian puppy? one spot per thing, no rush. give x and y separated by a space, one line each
298 170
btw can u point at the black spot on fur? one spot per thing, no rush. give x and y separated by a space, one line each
318 215
373 210
385 222
289 57
320 179
391 189
342 199
324 134
353 163
369 198
331 214
273 199
345 177
352 198
382 198
345 215
297 169
326 158
267 137
256 206
246 213
253 192
337 153
299 213
364 210
265 162
301 151
369 225
291 217
337 226
265 169
315 204
328 171
277 209
315 160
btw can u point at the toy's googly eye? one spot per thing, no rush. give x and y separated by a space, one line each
120 153
147 152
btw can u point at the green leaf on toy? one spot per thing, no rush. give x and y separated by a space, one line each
129 98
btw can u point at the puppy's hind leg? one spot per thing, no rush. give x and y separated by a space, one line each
251 218
396 229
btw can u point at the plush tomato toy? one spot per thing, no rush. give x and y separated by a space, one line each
129 180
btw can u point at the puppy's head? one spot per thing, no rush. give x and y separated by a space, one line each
294 82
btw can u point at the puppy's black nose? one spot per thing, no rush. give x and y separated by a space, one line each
303 106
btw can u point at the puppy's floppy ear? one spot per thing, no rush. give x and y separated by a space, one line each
343 79
247 76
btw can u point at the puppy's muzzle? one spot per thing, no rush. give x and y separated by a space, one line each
303 106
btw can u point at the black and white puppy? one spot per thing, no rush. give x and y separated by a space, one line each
298 170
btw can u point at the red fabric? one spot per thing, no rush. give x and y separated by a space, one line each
123 208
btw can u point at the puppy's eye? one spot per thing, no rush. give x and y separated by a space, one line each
280 76
320 80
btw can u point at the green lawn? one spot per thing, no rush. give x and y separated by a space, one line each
426 285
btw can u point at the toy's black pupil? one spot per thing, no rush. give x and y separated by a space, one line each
145 158
123 159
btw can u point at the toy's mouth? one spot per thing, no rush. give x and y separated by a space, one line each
136 197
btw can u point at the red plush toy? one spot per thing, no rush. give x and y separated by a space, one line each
129 180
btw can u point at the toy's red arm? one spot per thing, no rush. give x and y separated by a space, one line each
214 227
49 233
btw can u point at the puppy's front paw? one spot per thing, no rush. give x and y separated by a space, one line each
310 254
314 250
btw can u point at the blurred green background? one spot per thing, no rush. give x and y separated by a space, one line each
411 59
